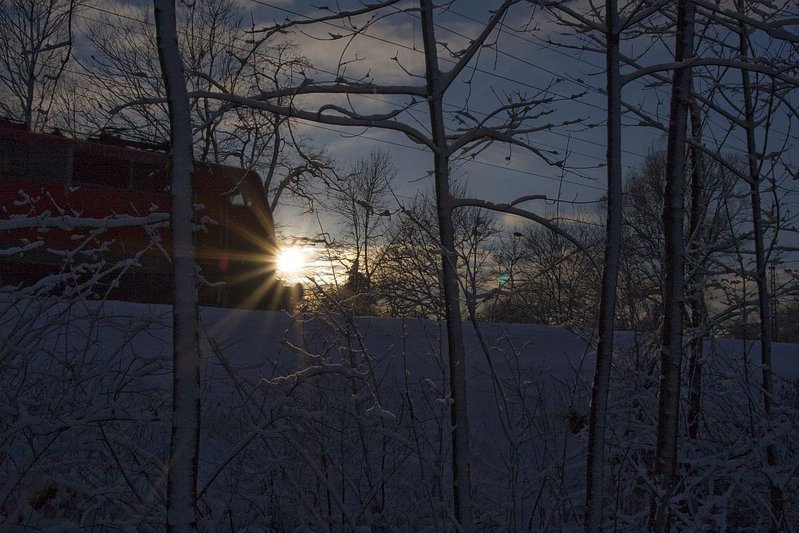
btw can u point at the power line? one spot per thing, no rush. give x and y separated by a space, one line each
475 68
638 81
371 97
409 111
411 49
482 71
476 161
451 106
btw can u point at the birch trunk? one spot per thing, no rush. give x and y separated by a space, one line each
763 297
696 298
607 308
671 351
461 463
184 443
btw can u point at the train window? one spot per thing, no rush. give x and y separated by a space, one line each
151 177
240 194
101 170
238 199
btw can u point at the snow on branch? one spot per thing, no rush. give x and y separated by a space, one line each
468 54
68 223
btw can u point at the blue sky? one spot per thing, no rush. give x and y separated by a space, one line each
524 63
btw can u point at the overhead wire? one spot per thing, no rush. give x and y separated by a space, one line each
554 49
475 68
554 132
476 161
486 72
508 168
452 106
371 97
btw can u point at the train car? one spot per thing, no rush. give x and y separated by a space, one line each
46 176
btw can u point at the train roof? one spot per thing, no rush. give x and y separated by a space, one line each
106 144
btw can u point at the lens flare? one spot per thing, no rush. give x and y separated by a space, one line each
291 262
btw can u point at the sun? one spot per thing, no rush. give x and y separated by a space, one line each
291 262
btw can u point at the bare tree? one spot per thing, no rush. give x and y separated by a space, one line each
712 213
121 64
185 437
35 48
410 278
361 201
778 69
754 169
606 29
674 263
545 279
475 230
505 125
610 273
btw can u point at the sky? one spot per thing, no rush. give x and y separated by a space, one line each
523 60
497 174
526 63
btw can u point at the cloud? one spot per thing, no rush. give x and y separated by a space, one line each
380 54
385 47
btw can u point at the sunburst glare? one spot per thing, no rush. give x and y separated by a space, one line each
291 262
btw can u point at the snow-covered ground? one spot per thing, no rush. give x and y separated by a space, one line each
341 423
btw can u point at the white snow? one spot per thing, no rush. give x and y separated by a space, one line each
348 428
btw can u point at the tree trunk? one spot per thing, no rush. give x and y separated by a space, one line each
461 463
671 350
763 297
607 307
184 443
696 296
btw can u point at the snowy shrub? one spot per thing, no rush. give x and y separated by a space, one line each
722 481
332 422
83 432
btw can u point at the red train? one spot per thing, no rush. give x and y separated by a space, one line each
47 177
